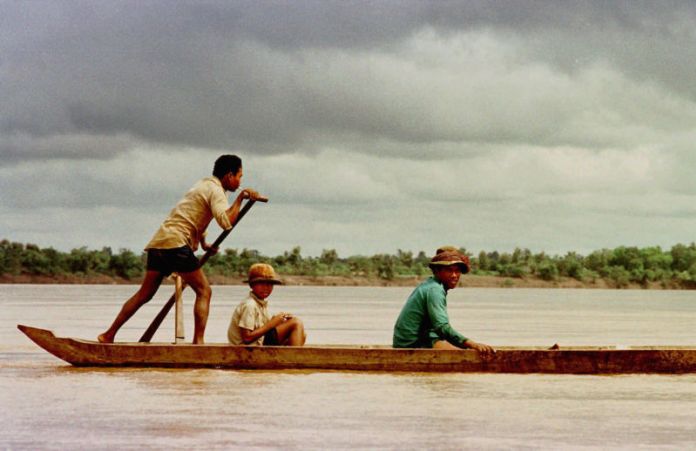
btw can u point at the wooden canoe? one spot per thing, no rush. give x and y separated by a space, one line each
570 360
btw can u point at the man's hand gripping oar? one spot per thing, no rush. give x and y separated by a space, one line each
212 250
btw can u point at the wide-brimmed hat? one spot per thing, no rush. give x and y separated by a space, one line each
262 272
448 258
447 248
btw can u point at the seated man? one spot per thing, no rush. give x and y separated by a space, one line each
252 324
423 322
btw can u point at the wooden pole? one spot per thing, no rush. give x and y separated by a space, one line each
179 335
157 321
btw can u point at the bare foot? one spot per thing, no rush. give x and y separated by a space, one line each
103 338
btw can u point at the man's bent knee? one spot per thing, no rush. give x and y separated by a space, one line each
198 282
205 292
445 345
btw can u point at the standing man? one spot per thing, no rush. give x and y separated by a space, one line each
172 247
424 322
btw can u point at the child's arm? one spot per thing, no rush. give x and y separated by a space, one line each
249 336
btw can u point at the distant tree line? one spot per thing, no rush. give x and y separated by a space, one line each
620 266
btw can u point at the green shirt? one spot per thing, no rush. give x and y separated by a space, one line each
424 320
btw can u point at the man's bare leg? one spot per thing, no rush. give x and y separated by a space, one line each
445 345
291 332
199 283
151 282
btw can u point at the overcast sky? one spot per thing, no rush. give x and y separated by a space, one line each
372 126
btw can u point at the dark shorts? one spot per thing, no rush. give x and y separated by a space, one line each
271 338
425 342
167 261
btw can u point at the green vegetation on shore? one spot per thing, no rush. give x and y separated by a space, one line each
620 267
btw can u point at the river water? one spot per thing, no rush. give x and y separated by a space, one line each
46 404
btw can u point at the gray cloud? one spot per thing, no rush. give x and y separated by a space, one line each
358 118
19 146
287 77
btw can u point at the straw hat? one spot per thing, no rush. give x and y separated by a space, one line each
450 257
447 248
262 272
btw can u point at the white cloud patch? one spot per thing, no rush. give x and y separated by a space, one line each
552 200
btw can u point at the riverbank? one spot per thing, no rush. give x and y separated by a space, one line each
473 280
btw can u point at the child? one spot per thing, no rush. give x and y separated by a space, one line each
252 324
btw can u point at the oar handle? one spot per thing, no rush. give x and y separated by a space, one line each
247 206
157 321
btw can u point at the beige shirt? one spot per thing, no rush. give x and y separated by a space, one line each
250 314
188 220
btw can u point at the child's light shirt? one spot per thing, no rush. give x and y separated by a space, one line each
250 314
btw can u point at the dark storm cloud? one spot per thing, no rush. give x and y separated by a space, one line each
15 147
285 76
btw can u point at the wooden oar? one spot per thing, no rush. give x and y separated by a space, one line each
155 324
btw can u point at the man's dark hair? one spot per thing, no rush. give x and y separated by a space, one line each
225 164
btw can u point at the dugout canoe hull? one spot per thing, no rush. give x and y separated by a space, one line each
570 360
